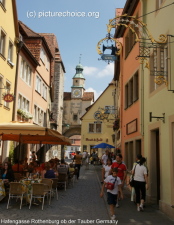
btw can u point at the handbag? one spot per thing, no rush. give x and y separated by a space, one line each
131 182
110 186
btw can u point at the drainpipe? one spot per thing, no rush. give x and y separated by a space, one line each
19 46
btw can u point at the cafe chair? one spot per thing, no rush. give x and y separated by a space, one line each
38 191
62 169
16 191
48 186
62 179
54 187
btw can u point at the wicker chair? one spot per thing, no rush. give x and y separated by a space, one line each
63 179
54 187
48 186
16 191
38 191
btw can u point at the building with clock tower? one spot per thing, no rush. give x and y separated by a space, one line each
78 86
74 107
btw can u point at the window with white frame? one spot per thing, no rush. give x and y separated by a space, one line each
98 128
25 72
23 103
47 64
42 55
45 59
44 91
38 84
41 117
38 115
10 52
95 128
2 42
28 75
35 114
8 87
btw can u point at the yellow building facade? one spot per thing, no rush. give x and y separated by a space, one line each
97 129
9 37
159 102
8 55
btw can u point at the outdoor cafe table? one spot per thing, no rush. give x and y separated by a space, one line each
2 190
27 185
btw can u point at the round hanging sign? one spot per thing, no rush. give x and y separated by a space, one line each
8 98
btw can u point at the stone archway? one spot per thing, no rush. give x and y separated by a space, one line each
72 131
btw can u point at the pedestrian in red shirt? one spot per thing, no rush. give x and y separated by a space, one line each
122 171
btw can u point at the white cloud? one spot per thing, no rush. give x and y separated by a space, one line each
108 70
96 94
90 70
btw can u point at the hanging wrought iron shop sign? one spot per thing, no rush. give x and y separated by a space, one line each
147 44
113 45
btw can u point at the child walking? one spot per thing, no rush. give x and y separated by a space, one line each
112 194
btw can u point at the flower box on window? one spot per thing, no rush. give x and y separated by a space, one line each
24 114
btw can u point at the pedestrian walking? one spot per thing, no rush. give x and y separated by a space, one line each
139 156
94 156
122 172
140 183
84 154
113 185
105 157
78 163
87 160
106 169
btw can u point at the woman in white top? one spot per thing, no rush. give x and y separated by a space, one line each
140 183
106 168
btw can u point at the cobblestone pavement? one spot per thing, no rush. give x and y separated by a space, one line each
81 204
128 215
81 201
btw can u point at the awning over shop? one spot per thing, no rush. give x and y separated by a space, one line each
30 133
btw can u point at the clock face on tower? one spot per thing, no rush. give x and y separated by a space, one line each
76 93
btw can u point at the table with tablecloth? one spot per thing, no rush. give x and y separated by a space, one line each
27 186
2 190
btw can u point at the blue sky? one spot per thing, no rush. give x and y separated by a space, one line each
76 34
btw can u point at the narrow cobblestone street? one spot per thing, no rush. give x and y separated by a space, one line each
81 204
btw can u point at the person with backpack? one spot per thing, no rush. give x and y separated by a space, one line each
113 185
